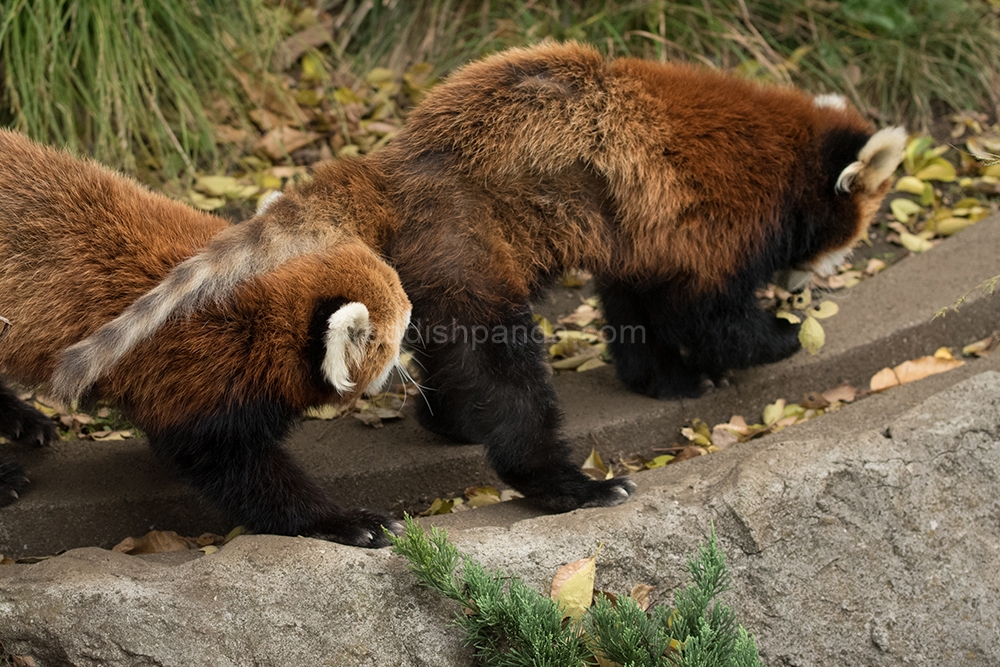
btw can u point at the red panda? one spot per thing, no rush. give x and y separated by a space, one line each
216 392
680 189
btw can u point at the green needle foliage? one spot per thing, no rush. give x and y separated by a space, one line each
509 624
896 57
128 81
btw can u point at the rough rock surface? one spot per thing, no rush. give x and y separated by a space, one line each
870 536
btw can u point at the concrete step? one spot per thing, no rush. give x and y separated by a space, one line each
95 494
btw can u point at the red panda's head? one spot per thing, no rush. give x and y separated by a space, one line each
857 167
363 326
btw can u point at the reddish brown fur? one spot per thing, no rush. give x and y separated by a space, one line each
695 164
78 243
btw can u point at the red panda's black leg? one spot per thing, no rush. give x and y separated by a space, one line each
490 385
648 359
235 460
689 340
22 424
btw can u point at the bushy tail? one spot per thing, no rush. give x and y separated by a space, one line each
235 255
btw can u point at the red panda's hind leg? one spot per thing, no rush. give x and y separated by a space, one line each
490 385
235 460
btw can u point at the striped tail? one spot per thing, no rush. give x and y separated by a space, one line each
235 255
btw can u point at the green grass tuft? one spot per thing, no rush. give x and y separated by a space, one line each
135 83
898 60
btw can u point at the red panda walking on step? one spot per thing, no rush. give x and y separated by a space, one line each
217 392
681 190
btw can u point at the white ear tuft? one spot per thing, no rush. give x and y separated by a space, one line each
266 202
831 101
876 161
346 343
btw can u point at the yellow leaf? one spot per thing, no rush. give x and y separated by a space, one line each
659 461
811 335
937 169
217 186
577 360
590 365
944 353
910 184
904 208
801 300
595 462
544 325
950 226
573 586
379 76
914 243
774 411
824 310
695 437
785 315
480 496
204 203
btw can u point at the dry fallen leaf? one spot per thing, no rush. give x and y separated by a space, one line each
573 586
153 542
844 393
595 466
918 369
884 379
641 594
284 140
982 347
811 335
913 370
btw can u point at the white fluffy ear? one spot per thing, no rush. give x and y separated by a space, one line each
346 342
876 161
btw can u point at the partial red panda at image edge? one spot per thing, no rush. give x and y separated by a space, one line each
215 392
681 190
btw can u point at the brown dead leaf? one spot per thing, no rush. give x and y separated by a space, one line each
153 542
918 369
688 452
724 435
844 393
814 401
884 379
641 594
283 140
290 50
582 316
227 134
22 661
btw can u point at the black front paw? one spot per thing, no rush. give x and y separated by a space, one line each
25 425
12 481
356 528
582 491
